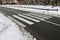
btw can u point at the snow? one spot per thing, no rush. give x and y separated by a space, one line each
10 31
23 9
30 9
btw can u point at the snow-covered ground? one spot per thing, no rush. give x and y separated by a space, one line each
34 6
11 31
25 8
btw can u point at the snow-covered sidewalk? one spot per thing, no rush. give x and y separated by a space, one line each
41 7
30 9
10 31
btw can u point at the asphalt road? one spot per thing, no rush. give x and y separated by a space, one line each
41 26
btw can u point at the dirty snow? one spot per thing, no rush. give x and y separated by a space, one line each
22 7
10 31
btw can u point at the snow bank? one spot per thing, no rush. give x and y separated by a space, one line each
10 31
35 6
24 8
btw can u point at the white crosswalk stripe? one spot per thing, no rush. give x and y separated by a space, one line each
42 19
47 16
27 21
24 20
18 22
43 15
39 16
29 18
34 17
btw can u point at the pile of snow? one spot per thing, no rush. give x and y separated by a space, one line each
35 6
22 7
10 31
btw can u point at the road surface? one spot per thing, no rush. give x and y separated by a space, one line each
41 26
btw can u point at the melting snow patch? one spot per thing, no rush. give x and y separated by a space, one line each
10 31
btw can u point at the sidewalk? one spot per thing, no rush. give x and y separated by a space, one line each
35 8
41 7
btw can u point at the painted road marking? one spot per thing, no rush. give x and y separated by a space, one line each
24 20
39 16
43 20
18 22
29 18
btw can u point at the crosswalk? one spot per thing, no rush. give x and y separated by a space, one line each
28 22
40 15
18 22
30 19
35 23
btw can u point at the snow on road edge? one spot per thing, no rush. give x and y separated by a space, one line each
52 13
10 31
